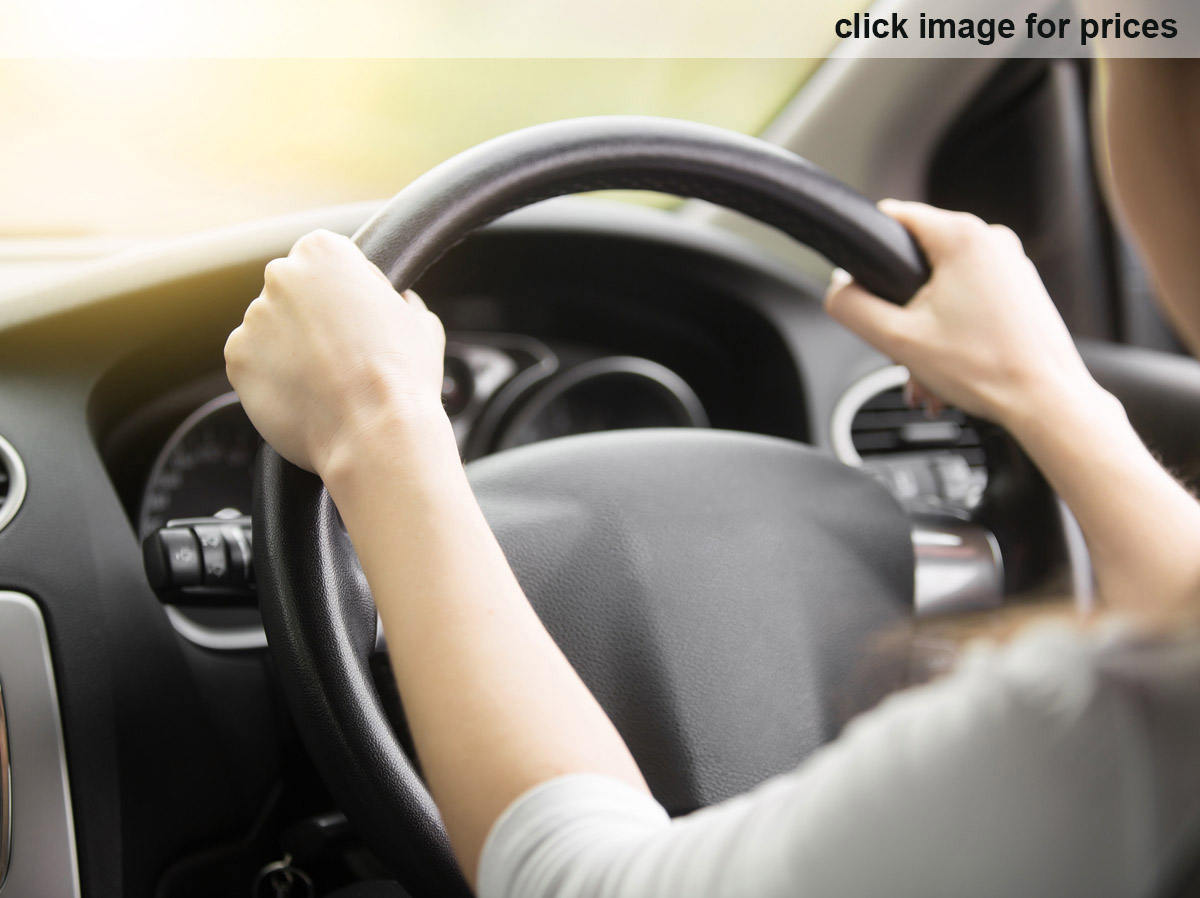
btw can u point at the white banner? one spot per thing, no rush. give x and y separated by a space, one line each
596 29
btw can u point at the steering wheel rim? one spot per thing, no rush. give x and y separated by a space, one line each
759 179
317 610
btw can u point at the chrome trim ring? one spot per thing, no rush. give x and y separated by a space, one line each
251 637
218 639
689 405
848 405
17 483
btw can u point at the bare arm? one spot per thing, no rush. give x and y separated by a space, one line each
343 377
984 335
1151 129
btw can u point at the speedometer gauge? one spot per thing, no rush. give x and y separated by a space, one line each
205 467
608 393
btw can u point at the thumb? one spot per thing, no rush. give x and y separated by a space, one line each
877 321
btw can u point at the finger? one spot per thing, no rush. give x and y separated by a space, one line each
918 391
917 395
414 300
877 321
379 273
938 232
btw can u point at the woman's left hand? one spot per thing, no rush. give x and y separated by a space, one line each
329 355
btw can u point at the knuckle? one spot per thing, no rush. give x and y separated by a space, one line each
320 240
233 345
306 244
972 228
273 274
1005 234
254 311
964 231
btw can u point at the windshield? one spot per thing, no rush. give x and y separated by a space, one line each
153 147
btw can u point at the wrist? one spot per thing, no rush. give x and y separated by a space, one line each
1078 409
415 439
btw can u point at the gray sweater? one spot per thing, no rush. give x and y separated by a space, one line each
1061 764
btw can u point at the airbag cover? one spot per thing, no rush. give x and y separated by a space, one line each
719 592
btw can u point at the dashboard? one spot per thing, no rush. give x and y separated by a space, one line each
545 339
558 322
538 349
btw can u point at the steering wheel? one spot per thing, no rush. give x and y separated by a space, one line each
715 590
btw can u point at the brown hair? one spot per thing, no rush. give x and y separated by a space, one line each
935 644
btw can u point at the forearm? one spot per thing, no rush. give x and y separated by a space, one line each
493 705
1141 526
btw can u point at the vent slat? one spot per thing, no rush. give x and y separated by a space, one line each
884 425
868 416
876 442
879 420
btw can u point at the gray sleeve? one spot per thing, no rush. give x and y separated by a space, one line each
1021 774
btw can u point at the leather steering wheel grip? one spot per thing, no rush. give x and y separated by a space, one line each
751 176
315 604
320 621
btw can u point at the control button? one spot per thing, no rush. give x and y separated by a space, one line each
241 558
202 561
957 481
910 478
905 482
181 555
216 560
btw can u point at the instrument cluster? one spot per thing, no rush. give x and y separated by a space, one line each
500 391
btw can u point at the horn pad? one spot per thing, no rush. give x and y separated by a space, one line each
717 591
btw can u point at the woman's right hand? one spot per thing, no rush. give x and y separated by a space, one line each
330 358
982 334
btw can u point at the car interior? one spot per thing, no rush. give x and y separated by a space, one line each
171 722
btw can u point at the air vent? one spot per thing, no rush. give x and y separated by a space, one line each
12 482
942 456
884 425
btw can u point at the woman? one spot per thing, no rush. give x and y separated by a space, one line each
1061 764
